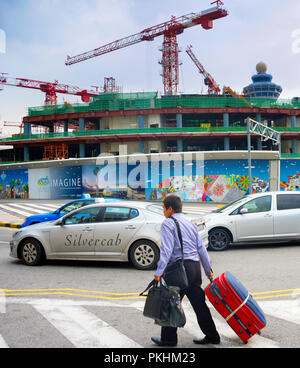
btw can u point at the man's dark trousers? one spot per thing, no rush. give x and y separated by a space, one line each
196 296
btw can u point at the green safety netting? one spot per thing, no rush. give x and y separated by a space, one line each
150 100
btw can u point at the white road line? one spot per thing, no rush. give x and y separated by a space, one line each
25 207
3 344
71 319
42 206
8 208
82 328
288 310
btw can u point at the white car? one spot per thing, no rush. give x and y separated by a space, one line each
120 231
262 217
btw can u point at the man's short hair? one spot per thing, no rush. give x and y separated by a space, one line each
174 202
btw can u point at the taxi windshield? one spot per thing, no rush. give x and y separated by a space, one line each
231 204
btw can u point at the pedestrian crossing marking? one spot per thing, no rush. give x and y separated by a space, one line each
83 329
3 344
29 209
86 330
288 310
25 210
18 212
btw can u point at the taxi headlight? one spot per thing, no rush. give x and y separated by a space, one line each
16 233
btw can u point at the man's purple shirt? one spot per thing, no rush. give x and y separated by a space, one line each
193 247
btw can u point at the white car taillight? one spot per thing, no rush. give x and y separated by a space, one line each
200 225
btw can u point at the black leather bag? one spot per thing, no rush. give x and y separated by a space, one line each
153 301
175 273
171 314
163 305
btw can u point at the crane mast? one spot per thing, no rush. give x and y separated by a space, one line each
208 79
170 30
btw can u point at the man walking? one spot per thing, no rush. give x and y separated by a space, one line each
194 251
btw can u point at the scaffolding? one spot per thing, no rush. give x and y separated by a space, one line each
56 152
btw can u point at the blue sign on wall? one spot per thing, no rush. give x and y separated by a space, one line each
66 182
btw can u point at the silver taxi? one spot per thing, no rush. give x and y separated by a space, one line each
261 217
121 231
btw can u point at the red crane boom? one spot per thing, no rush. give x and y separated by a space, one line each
208 79
51 89
169 30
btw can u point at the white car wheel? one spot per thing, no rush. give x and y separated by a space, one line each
218 239
31 252
144 255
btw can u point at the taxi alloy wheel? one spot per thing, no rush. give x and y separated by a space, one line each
218 239
31 252
144 255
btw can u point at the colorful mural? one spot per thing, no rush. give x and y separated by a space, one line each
219 180
222 181
14 184
216 188
290 175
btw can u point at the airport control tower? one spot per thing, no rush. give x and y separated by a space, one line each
262 86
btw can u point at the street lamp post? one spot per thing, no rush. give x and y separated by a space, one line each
264 132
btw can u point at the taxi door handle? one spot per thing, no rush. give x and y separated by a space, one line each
129 227
268 215
87 229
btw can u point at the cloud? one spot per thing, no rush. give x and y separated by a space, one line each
41 33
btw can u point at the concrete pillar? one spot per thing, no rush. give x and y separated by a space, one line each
258 118
226 144
26 154
179 125
141 122
81 145
226 119
82 150
226 125
259 142
141 125
294 141
81 124
27 129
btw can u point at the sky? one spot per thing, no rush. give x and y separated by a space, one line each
39 34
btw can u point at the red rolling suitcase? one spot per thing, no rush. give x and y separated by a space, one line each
232 300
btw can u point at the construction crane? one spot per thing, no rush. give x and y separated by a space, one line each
14 125
170 51
227 90
50 89
208 79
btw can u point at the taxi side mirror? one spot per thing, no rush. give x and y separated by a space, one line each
61 222
243 211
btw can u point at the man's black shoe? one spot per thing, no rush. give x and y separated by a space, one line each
161 342
207 340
